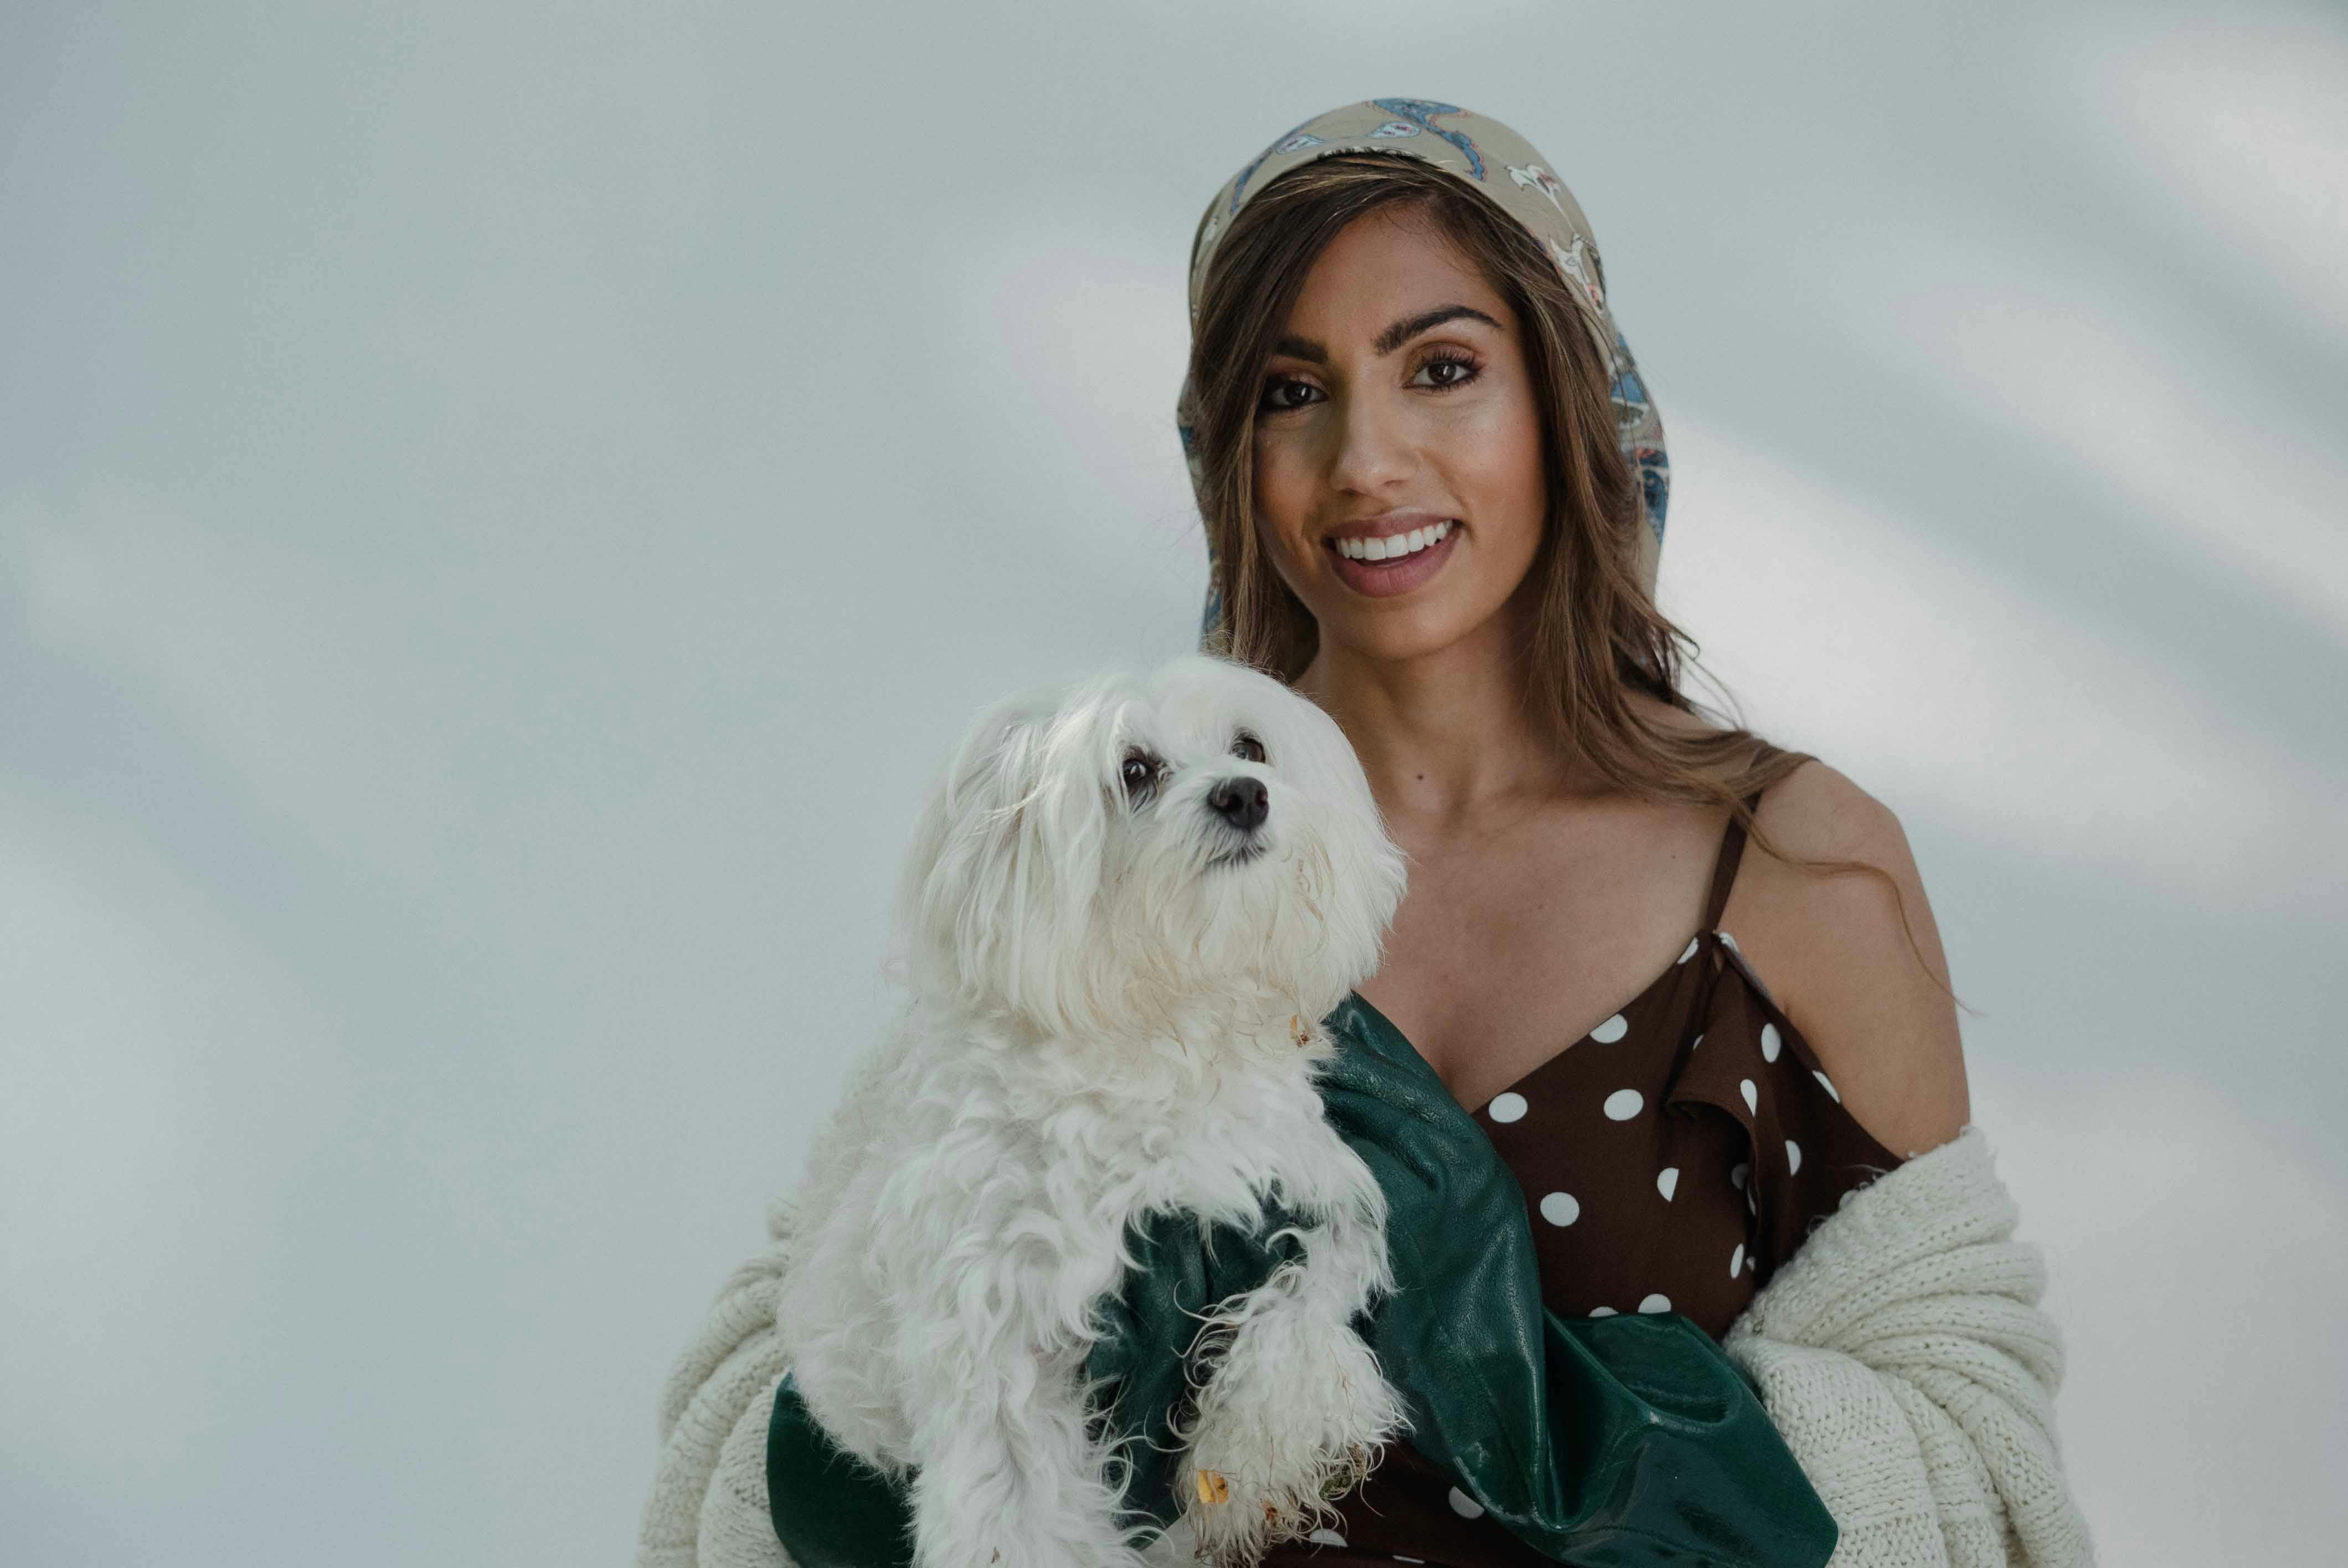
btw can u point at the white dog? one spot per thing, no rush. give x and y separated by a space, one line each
1128 906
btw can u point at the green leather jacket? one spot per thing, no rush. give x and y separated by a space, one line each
1614 1442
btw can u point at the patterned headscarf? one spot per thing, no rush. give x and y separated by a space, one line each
1495 161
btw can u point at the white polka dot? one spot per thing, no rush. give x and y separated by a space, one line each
1738 1173
1825 1085
1326 1537
1769 1042
1692 943
1793 1157
1560 1209
1729 941
1464 1506
1736 1263
1658 1302
1699 1040
1667 1182
1751 1266
1612 1030
1623 1104
1509 1107
1601 1312
1744 1087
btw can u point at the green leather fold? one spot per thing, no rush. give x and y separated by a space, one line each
1614 1442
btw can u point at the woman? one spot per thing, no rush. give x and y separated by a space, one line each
1433 490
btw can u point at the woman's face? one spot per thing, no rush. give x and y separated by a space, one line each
1398 419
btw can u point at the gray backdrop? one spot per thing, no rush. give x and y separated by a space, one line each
502 506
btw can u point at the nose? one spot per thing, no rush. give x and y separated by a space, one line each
1372 451
1243 802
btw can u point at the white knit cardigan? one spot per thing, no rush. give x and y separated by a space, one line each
708 1502
1901 1352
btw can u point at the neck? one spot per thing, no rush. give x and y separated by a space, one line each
1448 738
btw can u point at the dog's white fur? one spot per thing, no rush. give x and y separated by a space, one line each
1109 1019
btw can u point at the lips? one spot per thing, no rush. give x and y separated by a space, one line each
1386 579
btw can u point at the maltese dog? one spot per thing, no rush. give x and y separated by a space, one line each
1129 904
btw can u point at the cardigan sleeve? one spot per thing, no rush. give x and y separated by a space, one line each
1904 1357
707 1507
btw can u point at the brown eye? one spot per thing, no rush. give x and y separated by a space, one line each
1248 749
1446 371
1280 394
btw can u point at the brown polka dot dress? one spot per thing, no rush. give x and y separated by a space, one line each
1670 1160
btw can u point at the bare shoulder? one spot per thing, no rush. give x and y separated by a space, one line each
1815 811
1838 960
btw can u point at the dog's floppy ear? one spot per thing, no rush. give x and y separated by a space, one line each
1000 885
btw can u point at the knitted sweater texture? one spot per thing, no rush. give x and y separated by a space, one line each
707 1508
1902 1354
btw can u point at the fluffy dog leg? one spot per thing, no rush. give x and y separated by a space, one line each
1295 1410
1009 1477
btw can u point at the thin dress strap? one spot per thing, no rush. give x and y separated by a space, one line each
1724 869
1732 849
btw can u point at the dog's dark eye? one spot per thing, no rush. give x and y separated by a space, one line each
1248 748
1140 773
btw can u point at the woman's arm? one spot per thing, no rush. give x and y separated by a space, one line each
1919 1402
1833 954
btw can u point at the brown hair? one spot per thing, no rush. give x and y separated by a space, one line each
1596 637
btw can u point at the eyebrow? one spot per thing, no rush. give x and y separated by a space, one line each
1393 338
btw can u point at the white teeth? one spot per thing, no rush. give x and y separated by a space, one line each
1394 545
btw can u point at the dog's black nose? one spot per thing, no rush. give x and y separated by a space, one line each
1243 802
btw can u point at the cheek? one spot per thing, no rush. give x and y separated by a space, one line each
1285 493
1284 486
1496 463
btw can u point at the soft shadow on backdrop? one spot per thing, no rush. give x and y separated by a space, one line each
502 507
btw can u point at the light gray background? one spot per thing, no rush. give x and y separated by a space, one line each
502 506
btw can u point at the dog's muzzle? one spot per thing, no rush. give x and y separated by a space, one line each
1242 805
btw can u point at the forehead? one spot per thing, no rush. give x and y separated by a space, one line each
1189 711
1385 265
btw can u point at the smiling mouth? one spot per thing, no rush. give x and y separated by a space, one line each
1405 561
1239 857
1394 547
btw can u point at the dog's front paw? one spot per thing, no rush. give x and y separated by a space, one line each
1296 1414
1231 1525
